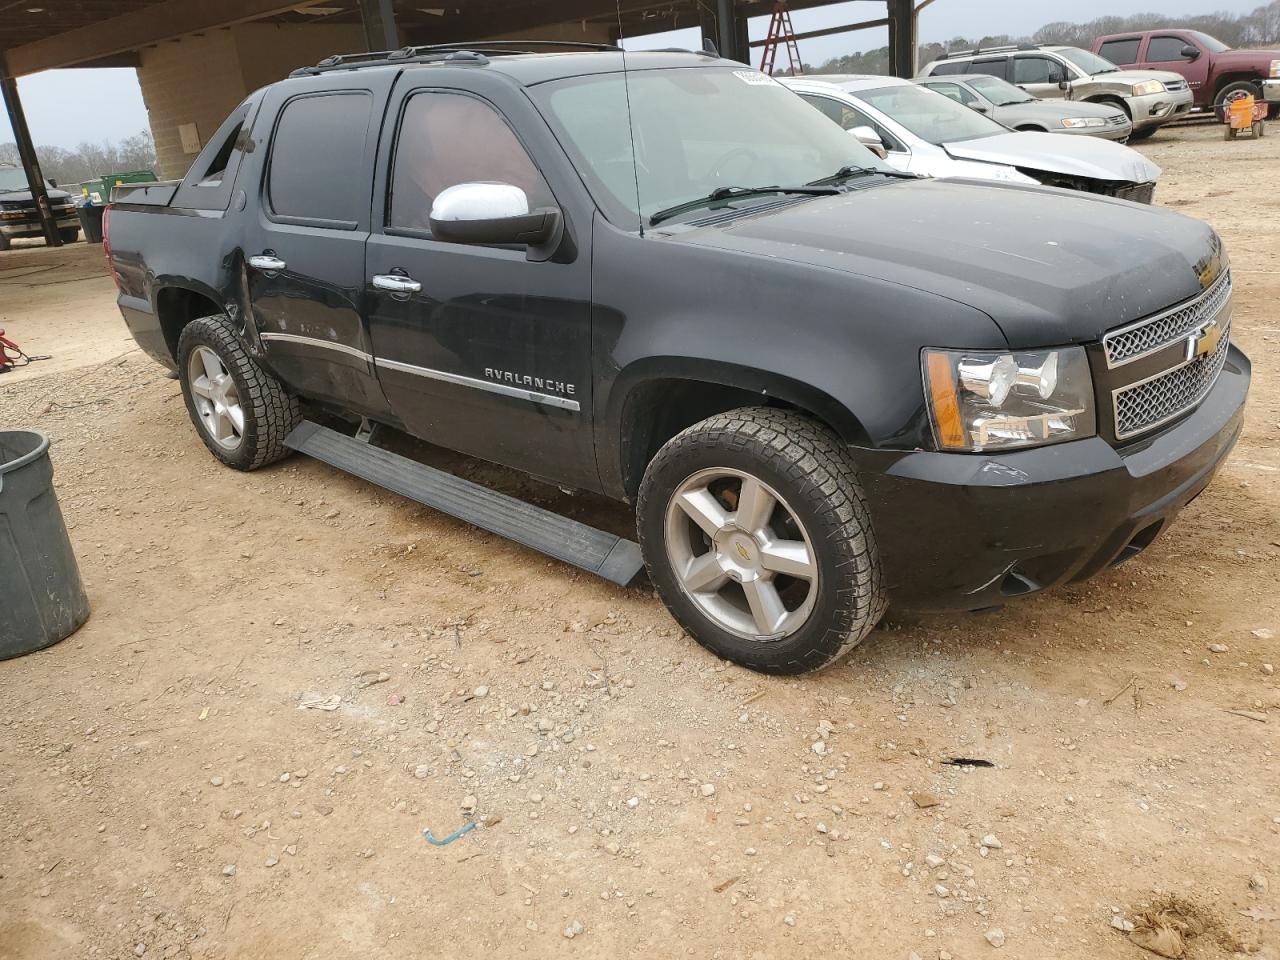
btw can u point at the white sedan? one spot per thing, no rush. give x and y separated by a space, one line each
925 133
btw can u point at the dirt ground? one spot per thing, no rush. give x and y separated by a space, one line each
289 675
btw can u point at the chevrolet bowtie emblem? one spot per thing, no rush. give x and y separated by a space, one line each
1205 341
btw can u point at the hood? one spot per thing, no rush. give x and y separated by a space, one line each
1072 156
1048 266
1261 59
13 196
1051 111
1137 76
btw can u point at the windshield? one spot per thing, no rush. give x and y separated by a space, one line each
1000 92
1212 44
696 129
12 178
1090 63
930 115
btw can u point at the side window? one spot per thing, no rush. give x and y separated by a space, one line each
993 67
1166 50
1120 52
953 90
451 138
216 170
1037 70
948 68
316 172
833 109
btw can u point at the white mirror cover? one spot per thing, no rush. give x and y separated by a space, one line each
480 201
866 135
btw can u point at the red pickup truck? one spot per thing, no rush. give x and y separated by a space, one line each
1215 72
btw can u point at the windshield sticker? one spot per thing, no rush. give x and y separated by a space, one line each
754 77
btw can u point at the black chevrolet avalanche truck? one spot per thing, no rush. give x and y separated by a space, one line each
825 386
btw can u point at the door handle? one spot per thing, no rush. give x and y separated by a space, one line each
395 283
266 262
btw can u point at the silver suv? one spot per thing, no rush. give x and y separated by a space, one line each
1151 98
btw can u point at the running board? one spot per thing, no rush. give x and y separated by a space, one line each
576 543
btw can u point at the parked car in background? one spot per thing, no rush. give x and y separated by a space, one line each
1215 72
1019 110
1151 98
18 214
924 132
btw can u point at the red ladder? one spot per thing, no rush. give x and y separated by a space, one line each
780 31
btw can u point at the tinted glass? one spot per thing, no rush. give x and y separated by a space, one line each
994 67
930 115
446 139
1165 49
953 90
948 68
692 131
1121 51
1036 70
317 159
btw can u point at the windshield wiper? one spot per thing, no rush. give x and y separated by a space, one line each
844 173
736 193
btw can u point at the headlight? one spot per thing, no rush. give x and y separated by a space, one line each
1275 68
1146 87
987 400
1083 122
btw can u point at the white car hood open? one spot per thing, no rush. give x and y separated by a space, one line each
1052 153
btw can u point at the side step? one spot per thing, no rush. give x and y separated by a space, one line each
592 550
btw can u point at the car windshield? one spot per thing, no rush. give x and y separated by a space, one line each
1000 92
12 178
1212 44
928 114
1090 63
696 130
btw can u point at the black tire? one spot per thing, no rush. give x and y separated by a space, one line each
1146 133
69 236
270 411
1230 92
811 469
5 242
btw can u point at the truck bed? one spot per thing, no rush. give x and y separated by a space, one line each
157 194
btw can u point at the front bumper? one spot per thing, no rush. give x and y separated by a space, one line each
1156 109
1119 132
968 531
29 225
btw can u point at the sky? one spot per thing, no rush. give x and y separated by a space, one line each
65 107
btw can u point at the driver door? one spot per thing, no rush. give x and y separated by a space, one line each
478 347
1039 76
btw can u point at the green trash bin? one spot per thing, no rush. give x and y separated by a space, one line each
42 599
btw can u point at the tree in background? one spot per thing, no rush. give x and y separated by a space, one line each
89 161
1257 29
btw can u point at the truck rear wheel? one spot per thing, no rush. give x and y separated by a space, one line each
756 534
241 412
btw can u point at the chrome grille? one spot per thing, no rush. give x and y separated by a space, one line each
1145 405
1117 120
1137 340
1175 85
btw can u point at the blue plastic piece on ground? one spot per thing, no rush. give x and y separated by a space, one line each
466 828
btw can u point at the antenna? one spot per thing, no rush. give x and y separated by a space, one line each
631 130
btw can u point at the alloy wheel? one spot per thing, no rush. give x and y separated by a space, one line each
216 399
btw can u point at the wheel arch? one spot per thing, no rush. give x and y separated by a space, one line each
177 304
656 398
1222 81
1113 100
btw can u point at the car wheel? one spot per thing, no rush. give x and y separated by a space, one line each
68 236
1137 136
4 242
1233 91
241 412
756 533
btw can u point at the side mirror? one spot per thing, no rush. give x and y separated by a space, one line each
1190 51
978 108
1064 85
491 213
868 137
53 182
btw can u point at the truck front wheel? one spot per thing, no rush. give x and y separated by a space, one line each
756 534
241 412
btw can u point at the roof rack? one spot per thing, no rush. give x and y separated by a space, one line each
478 52
1004 48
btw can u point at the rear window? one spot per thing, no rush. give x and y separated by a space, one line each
1120 51
317 173
992 66
948 68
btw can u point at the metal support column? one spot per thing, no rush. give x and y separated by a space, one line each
725 26
379 19
27 151
902 38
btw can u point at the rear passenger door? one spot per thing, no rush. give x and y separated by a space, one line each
1122 51
304 248
483 349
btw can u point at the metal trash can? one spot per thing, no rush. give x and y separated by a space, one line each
91 222
42 599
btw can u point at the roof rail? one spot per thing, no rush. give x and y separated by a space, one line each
1003 48
478 52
